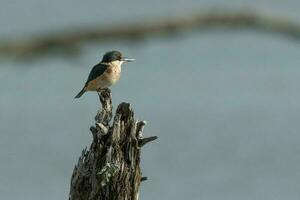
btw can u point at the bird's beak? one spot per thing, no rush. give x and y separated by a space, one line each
127 59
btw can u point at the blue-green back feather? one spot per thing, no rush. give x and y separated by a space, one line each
97 71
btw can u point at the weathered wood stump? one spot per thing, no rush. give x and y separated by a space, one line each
110 169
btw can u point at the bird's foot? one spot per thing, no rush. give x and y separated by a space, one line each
103 90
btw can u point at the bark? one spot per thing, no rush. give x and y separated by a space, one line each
110 169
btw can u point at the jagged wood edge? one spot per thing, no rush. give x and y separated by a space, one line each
103 138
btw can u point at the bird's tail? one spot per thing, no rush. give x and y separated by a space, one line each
80 93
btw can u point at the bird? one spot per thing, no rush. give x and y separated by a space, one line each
106 73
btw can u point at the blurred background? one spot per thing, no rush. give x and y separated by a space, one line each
219 87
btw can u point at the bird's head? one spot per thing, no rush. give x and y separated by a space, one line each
116 57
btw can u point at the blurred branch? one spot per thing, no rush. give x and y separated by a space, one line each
67 42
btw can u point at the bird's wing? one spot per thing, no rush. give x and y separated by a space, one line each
97 71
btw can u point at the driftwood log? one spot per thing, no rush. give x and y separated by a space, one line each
110 169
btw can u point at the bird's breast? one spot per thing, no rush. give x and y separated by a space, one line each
113 74
109 77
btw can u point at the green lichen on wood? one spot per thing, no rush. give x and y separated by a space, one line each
108 172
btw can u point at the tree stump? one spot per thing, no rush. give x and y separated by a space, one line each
110 169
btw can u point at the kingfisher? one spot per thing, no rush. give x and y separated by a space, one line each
106 73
